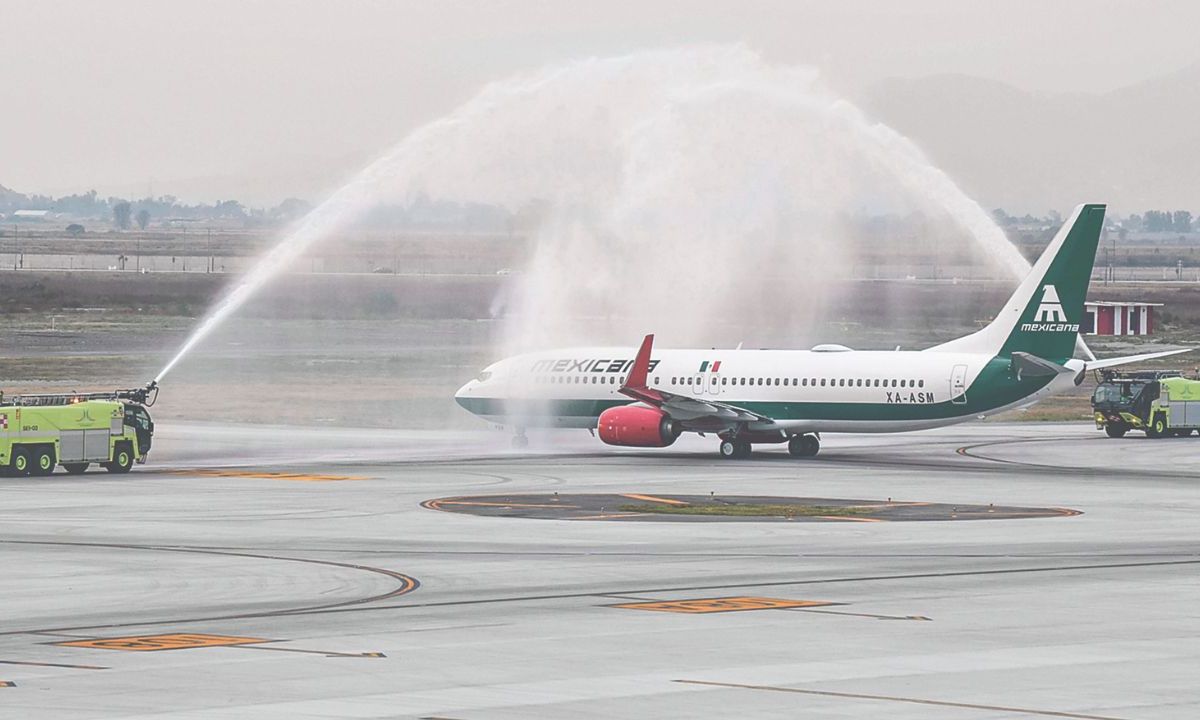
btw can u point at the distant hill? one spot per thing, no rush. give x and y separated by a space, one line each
1137 147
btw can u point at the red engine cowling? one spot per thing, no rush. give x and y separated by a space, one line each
637 426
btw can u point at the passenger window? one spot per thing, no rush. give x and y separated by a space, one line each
920 383
902 383
785 382
893 383
776 382
655 379
724 381
842 382
822 382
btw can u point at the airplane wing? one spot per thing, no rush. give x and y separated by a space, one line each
1112 362
698 412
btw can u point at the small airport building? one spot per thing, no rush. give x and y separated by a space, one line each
1118 318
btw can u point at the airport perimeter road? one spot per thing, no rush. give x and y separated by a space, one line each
255 572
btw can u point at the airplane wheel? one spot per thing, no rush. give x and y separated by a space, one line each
728 449
743 450
804 445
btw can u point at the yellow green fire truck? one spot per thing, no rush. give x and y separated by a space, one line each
41 432
1162 404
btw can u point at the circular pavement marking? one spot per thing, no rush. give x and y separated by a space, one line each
641 507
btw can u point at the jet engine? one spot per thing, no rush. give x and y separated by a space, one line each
637 426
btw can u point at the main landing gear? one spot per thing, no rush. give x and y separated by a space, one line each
805 446
734 449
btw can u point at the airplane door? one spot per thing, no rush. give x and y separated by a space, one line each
958 385
714 384
698 384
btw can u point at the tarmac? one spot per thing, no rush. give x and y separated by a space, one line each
262 572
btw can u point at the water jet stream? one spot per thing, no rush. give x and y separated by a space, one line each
700 176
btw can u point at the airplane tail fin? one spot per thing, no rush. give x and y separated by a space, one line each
1042 317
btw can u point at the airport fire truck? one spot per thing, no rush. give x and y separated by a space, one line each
1160 403
40 432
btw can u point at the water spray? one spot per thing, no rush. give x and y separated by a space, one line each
705 162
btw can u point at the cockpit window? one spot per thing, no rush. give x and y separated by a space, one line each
484 375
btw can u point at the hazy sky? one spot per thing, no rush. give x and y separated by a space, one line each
259 100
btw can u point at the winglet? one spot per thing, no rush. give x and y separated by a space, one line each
635 383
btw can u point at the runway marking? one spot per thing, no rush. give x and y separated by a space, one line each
407 584
867 615
50 664
652 498
263 475
173 641
326 653
503 504
901 699
725 604
850 519
605 516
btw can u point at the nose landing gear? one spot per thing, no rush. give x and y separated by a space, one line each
520 441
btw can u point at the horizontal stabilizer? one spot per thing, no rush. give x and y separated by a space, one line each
1028 365
1113 362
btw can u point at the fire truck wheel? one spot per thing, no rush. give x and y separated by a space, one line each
43 461
21 462
1115 431
75 468
1158 428
122 460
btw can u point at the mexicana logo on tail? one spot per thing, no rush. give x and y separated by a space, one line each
1050 316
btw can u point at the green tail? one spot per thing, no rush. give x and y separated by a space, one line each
1043 316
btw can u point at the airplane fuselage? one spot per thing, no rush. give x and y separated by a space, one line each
799 390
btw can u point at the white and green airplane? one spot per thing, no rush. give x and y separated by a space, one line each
648 397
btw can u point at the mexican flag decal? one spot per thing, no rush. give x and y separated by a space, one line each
716 366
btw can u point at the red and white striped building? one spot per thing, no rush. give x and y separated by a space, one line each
1118 318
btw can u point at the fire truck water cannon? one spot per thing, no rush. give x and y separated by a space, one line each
145 396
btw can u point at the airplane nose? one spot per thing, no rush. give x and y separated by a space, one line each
463 393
